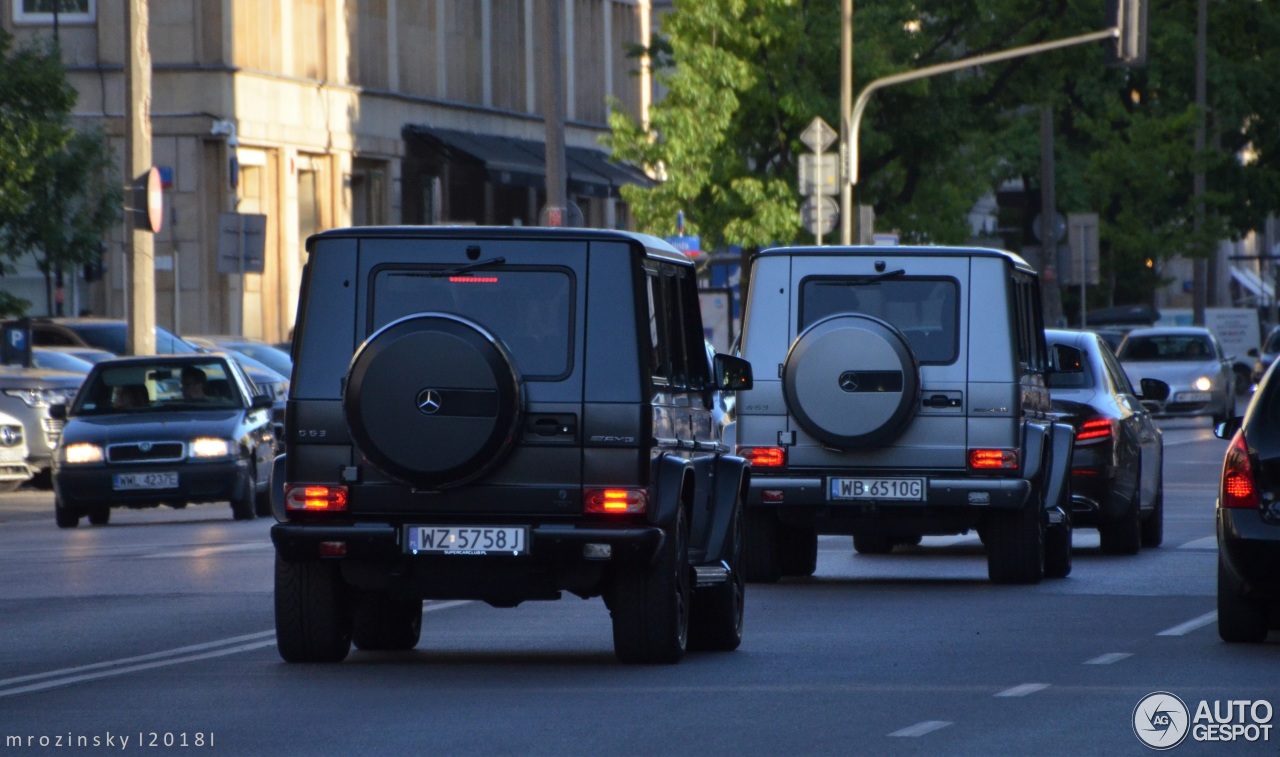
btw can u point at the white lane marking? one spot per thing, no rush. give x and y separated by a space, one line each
140 658
1108 658
1208 543
134 668
948 541
213 550
1023 690
1182 629
192 653
920 729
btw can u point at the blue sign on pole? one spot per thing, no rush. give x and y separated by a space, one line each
691 246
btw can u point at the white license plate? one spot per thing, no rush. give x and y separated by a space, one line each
467 540
167 480
1193 397
878 488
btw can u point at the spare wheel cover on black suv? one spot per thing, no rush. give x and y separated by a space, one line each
851 380
433 400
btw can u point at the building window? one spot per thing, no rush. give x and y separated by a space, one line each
42 11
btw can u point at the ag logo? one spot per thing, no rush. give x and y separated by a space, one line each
1160 720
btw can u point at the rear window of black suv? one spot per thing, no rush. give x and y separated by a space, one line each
529 309
925 310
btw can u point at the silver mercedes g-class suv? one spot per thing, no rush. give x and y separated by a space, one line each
900 392
505 414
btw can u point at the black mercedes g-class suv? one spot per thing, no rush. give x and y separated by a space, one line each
505 414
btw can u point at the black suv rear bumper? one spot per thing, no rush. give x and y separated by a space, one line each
547 544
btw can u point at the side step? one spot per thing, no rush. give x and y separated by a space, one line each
712 575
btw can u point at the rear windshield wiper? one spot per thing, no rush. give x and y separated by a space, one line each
469 267
860 280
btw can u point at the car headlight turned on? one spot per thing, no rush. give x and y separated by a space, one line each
210 447
1203 384
81 453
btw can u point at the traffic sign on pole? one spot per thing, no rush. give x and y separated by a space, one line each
818 135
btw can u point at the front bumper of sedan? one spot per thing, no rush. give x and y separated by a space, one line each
1249 545
79 487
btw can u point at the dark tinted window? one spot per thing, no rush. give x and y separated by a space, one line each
924 310
529 310
1170 347
1273 342
1074 368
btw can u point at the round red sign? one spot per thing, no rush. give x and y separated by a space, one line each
155 200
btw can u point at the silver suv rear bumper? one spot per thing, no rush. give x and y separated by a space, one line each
997 493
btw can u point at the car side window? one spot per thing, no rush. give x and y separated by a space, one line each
668 363
1119 379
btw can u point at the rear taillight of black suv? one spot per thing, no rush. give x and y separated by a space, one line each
1239 488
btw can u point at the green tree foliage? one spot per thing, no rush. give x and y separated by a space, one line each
747 76
59 188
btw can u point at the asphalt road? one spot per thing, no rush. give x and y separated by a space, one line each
158 628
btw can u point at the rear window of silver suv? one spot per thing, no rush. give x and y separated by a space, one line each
925 310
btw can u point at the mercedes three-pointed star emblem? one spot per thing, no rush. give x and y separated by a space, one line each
849 381
428 401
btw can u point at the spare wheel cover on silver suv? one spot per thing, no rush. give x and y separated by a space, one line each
433 400
851 380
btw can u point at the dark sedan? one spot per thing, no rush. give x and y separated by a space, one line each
1248 514
1117 462
171 430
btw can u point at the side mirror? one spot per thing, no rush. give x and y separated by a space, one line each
1153 389
58 412
1228 428
262 402
732 374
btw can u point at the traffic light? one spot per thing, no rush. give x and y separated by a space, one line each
1129 17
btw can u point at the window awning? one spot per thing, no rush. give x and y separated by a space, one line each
522 162
1251 282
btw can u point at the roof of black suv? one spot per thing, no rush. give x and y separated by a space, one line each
656 246
903 251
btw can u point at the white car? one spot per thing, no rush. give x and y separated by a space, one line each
1190 360
14 471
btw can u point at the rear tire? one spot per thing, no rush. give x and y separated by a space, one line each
99 516
1239 619
760 557
872 544
1122 537
313 616
1015 546
650 606
797 551
262 502
1057 551
715 619
1153 527
382 624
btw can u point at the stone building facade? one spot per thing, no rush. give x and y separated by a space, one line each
326 113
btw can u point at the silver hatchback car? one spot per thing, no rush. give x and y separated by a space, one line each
1190 360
